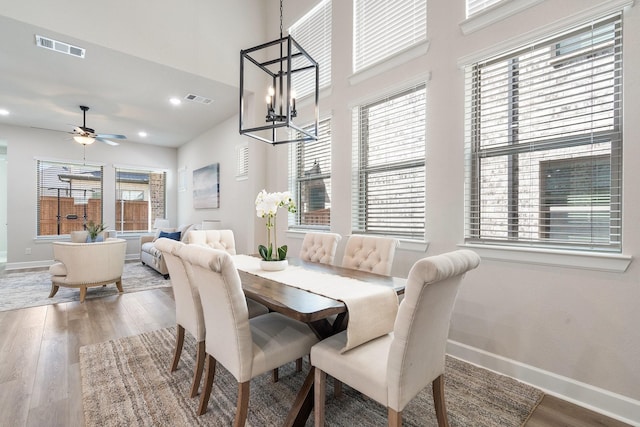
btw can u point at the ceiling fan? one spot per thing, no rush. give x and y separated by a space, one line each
85 135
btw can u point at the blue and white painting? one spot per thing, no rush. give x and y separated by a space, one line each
206 187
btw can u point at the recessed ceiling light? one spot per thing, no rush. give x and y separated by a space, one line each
175 101
142 134
4 112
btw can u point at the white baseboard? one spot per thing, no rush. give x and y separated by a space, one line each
608 403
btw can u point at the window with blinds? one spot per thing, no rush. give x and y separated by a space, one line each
389 165
69 197
544 142
475 6
383 28
313 33
310 180
140 199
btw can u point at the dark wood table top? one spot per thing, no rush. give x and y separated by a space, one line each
303 305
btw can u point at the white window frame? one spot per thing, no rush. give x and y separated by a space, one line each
313 33
364 201
473 236
88 187
376 21
152 214
299 167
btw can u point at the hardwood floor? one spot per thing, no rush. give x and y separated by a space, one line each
40 372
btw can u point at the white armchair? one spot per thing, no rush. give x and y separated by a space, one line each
82 265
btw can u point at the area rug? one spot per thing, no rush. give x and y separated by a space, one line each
126 382
30 289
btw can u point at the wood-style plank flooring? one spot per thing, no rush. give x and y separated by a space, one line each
40 371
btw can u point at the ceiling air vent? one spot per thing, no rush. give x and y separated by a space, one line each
59 46
198 99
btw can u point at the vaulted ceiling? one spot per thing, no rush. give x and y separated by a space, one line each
126 92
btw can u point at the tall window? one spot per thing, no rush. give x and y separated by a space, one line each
389 167
313 33
140 199
69 196
310 174
545 142
383 28
476 6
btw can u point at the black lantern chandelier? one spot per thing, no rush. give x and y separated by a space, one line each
280 109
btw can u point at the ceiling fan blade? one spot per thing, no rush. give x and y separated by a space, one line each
106 141
111 136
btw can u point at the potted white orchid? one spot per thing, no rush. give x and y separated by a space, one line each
267 205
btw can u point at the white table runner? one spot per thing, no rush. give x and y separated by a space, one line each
372 308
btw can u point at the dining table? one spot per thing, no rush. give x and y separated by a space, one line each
325 315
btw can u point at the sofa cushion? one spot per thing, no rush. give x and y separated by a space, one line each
175 235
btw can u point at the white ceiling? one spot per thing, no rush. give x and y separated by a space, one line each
44 89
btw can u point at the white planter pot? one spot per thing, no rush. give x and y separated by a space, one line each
274 265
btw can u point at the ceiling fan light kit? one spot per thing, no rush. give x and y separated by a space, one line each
86 136
84 140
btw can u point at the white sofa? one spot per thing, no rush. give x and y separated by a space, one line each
151 256
81 265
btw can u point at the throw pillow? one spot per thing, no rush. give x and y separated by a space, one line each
174 236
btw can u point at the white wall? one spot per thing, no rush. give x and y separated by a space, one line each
573 331
3 201
25 145
237 197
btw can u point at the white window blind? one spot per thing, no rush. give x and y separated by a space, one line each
69 196
310 179
313 33
544 142
382 28
389 165
475 6
140 199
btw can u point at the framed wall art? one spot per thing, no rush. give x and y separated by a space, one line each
206 187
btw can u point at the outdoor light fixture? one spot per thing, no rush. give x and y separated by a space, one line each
280 102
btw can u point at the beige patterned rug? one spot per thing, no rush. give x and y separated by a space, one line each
126 382
23 289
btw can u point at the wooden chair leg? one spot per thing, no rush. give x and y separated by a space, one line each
275 375
319 395
197 375
119 285
83 293
337 388
438 401
394 418
54 290
178 350
208 384
243 404
299 365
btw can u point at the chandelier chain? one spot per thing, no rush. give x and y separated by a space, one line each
280 18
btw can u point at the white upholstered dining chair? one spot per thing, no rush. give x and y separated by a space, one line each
394 368
189 315
370 253
319 247
245 347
